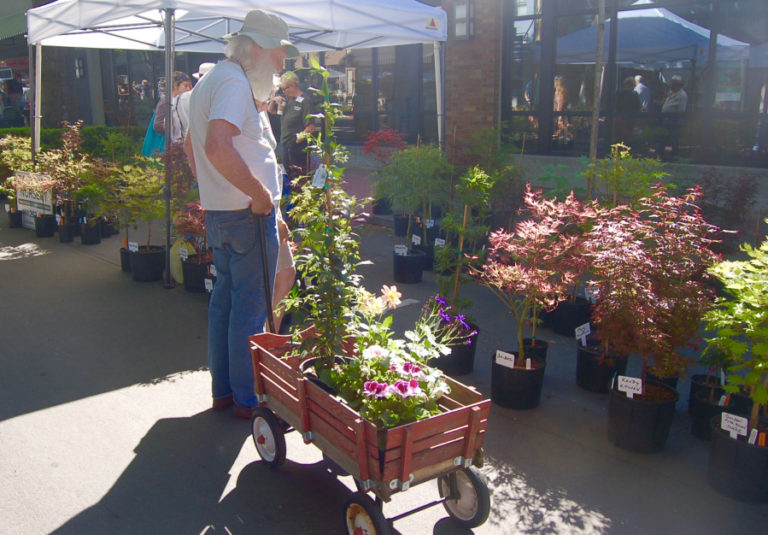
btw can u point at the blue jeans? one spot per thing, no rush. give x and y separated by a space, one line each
238 306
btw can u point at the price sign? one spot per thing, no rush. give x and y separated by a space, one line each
213 270
133 246
321 174
582 331
208 285
183 254
734 425
439 242
415 239
401 250
505 359
429 223
630 385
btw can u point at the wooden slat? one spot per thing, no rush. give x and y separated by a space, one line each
303 406
322 428
430 426
436 441
275 392
362 451
340 411
447 404
462 393
472 429
405 466
331 419
269 341
282 376
283 412
423 459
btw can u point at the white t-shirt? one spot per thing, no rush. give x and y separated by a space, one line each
224 93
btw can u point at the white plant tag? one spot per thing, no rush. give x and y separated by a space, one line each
429 223
439 242
401 250
58 219
183 254
7 208
208 285
590 293
734 425
321 174
416 239
505 359
752 437
582 331
213 271
133 246
721 402
722 377
630 385
528 364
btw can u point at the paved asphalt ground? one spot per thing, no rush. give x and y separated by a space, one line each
106 426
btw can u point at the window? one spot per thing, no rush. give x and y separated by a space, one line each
464 19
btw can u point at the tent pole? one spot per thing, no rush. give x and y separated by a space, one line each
36 109
168 26
439 100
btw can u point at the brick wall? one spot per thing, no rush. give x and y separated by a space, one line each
473 73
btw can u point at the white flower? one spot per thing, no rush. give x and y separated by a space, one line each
374 352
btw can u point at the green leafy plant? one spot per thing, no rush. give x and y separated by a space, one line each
137 195
621 177
468 226
738 324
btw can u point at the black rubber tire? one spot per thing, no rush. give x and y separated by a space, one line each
473 504
361 511
268 437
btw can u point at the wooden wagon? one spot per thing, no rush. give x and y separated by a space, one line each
382 462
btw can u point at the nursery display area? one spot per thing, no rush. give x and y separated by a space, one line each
616 300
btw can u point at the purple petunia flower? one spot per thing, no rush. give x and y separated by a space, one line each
440 301
463 320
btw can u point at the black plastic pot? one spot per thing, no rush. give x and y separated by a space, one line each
381 207
408 269
699 382
67 232
567 316
517 388
639 425
307 368
148 263
736 468
594 372
703 410
195 270
14 219
461 360
536 351
400 223
90 234
107 229
125 259
429 255
45 225
670 380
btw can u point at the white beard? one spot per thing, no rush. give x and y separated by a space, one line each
260 76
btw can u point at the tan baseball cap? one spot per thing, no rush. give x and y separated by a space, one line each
267 30
203 70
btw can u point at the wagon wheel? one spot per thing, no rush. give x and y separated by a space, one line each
467 498
362 516
268 437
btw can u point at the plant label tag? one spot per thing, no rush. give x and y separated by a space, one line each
590 293
58 218
582 331
752 437
734 425
505 359
133 246
321 174
401 250
430 223
528 364
208 285
630 385
722 377
439 242
7 208
183 254
213 271
721 402
415 239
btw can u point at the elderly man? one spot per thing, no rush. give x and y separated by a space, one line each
237 174
296 108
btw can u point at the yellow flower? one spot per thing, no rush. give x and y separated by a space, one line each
390 295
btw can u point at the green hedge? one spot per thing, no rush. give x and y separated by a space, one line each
93 136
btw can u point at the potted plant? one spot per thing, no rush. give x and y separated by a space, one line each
529 270
41 186
738 326
649 265
708 398
16 155
195 264
381 144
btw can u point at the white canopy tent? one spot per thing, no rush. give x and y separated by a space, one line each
193 26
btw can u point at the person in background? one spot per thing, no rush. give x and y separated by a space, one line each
182 107
643 92
181 84
676 103
560 103
627 101
239 182
295 108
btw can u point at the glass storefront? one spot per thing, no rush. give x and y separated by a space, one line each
680 79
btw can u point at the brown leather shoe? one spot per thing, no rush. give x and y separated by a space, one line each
244 412
221 404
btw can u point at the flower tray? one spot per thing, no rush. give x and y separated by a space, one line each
384 461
